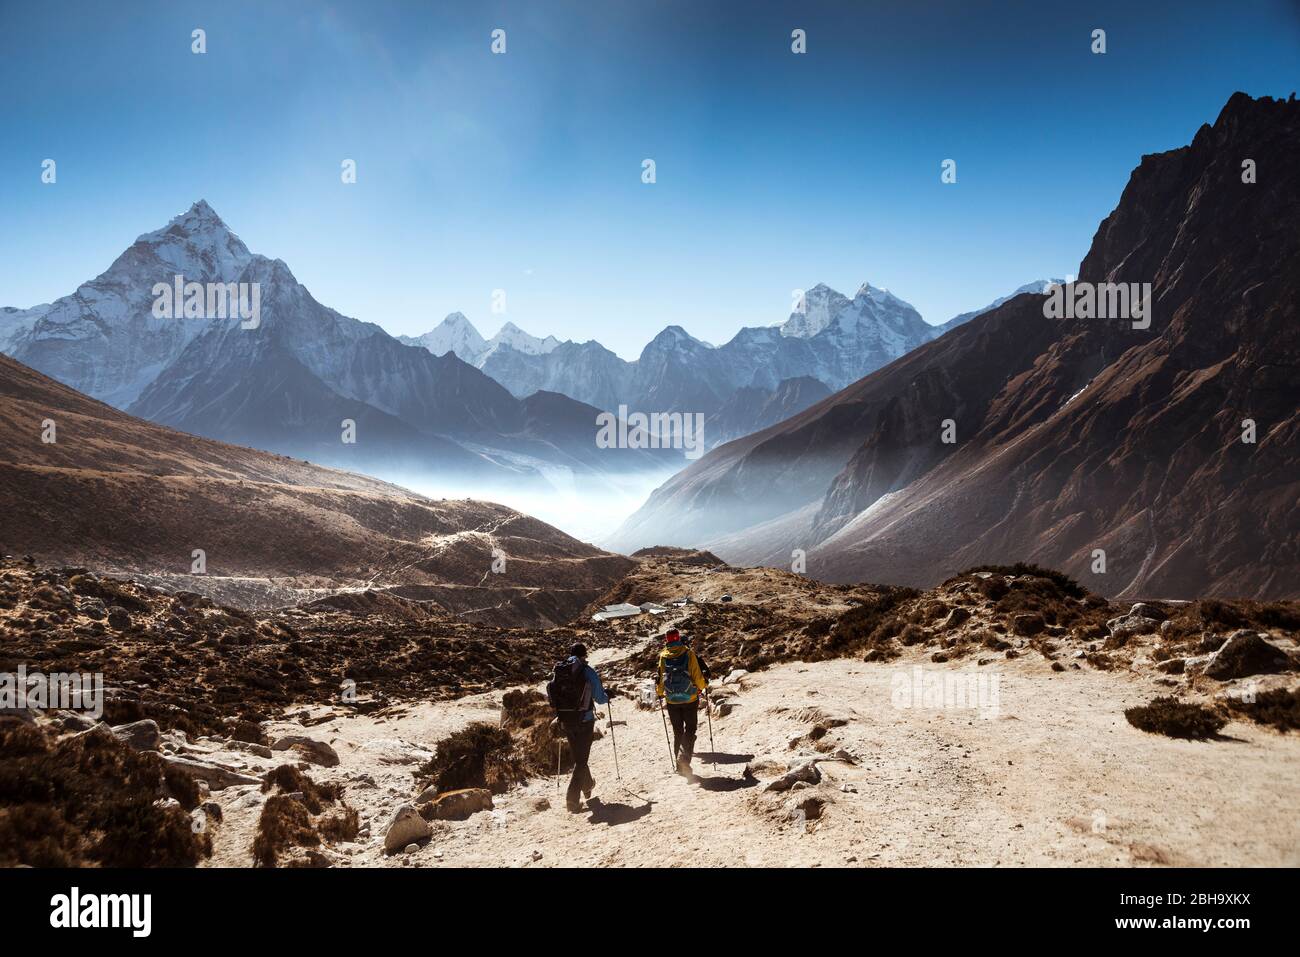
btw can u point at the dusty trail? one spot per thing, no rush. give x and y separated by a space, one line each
1057 777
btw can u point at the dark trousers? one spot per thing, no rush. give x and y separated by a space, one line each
579 735
684 719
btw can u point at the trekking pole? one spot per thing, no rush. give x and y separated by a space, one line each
663 714
609 710
557 765
708 710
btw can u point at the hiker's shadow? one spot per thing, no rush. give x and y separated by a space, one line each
721 757
614 814
725 784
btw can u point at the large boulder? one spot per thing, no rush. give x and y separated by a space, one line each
140 735
1126 626
317 752
1143 610
1246 653
407 827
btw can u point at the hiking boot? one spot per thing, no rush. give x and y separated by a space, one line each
589 786
574 805
684 767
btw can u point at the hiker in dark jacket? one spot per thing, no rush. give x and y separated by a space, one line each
680 683
573 693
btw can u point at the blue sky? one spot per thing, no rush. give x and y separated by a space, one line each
523 171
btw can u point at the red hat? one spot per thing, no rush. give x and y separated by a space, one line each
671 635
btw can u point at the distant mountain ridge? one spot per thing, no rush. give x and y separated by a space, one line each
457 334
295 382
833 339
126 496
1147 462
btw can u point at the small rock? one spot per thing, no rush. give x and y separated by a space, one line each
261 750
74 721
1028 624
457 805
119 619
317 752
406 827
1210 642
217 776
411 848
958 616
804 772
140 735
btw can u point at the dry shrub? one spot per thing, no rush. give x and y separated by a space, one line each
86 800
528 717
292 781
873 624
342 825
819 627
249 731
182 786
479 756
1176 719
1064 584
285 823
993 642
289 820
1244 613
1279 708
913 635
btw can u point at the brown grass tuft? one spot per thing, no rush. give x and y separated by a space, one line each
1176 719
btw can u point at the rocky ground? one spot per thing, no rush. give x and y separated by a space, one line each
981 722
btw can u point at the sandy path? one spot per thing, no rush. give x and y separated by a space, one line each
1058 777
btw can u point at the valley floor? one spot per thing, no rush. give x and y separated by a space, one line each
1057 777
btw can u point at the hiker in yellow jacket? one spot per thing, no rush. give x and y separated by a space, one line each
680 684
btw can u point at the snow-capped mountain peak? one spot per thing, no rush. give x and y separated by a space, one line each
198 244
882 296
821 304
825 307
457 334
514 337
454 334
